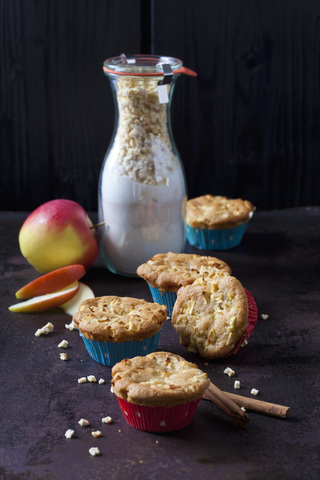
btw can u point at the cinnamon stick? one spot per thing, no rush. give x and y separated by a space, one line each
259 406
226 404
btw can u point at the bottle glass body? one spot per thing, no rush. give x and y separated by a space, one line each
142 188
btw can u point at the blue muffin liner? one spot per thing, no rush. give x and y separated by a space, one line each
207 239
110 353
164 298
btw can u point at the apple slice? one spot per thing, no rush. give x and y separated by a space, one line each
83 293
45 302
51 282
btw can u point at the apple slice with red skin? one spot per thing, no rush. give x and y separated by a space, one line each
51 282
47 301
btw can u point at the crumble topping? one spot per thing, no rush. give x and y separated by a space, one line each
229 371
107 420
48 328
142 133
94 451
83 422
71 326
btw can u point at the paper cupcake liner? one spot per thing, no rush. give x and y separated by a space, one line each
109 353
158 419
164 298
252 321
207 239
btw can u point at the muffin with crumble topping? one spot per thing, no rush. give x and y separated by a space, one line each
217 222
159 392
114 328
211 316
165 273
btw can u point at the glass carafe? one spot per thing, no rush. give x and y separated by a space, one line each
142 188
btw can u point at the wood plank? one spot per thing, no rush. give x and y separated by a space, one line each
57 112
248 125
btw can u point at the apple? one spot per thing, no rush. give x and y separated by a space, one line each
51 282
71 307
56 234
45 302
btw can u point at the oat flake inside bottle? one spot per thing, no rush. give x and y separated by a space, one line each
142 188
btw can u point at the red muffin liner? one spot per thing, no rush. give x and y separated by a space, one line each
252 321
158 419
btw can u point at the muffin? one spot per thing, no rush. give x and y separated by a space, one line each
114 328
165 273
159 392
211 315
216 222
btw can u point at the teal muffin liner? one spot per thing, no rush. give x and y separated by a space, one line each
164 298
207 239
109 353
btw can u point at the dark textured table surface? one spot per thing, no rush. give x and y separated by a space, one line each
40 397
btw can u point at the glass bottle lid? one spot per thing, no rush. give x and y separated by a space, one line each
144 65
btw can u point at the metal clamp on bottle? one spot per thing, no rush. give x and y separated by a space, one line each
162 84
128 58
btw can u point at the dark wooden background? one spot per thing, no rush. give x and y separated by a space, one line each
247 126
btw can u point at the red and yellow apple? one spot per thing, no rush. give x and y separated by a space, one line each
57 234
